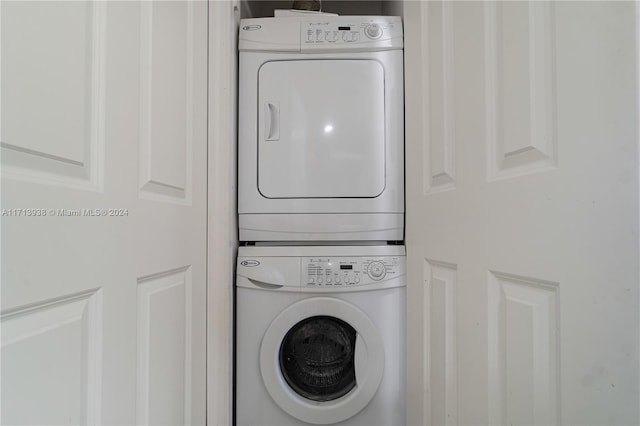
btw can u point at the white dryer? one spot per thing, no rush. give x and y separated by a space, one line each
321 129
320 336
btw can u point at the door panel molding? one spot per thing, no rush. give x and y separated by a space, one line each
166 102
164 347
43 332
438 103
441 360
42 141
524 350
520 87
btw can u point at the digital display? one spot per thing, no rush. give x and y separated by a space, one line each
344 29
346 266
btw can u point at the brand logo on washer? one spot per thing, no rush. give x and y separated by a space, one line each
249 263
251 27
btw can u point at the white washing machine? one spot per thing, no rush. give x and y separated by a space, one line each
321 129
320 335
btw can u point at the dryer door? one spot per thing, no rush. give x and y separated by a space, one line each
322 360
321 130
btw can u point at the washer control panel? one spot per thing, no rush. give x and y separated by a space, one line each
349 271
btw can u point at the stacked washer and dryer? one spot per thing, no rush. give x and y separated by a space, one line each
320 285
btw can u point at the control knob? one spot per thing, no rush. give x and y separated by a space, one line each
376 271
373 31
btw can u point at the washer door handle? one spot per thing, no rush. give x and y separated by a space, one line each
266 286
264 277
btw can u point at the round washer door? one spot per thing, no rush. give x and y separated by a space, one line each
322 360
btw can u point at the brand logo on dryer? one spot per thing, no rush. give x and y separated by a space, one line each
250 263
251 27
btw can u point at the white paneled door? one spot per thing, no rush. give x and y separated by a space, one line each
104 133
522 212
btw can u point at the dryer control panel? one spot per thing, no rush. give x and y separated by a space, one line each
317 33
350 271
332 34
348 32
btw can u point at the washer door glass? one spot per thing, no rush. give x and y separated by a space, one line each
322 360
317 358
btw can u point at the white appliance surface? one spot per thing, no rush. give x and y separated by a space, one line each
320 335
321 129
328 143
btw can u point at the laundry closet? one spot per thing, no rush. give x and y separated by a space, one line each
513 247
320 326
